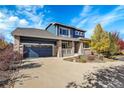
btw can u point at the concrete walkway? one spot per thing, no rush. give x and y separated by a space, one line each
55 73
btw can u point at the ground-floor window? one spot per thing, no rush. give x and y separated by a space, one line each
66 44
86 45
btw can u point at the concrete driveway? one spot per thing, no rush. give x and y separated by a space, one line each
121 58
55 73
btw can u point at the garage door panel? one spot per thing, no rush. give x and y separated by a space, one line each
38 51
32 53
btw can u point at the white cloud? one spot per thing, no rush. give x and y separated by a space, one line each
3 26
88 18
84 16
41 6
86 9
115 15
23 16
2 15
30 12
89 32
13 19
23 22
82 22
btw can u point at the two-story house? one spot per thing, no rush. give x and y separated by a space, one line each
56 40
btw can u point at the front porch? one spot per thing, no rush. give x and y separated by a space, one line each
69 48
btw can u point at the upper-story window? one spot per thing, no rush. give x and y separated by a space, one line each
79 33
83 35
64 32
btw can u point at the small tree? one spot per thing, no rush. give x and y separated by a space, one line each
100 40
113 47
104 42
120 43
3 43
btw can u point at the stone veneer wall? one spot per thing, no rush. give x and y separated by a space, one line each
87 51
16 43
17 46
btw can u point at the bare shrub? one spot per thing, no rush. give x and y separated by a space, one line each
9 61
91 57
5 58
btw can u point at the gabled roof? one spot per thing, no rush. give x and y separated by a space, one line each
72 27
32 32
39 33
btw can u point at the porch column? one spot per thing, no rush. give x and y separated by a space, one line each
81 50
59 51
73 47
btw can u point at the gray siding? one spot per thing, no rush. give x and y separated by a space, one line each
72 33
52 29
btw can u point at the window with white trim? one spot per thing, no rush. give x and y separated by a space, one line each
80 33
64 31
77 33
66 44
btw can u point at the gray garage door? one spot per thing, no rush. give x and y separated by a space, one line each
38 51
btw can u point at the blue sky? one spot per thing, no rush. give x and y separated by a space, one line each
85 17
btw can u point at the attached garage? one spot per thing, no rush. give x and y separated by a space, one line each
31 51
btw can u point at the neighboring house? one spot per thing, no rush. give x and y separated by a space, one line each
56 40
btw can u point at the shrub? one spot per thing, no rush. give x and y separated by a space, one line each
7 64
5 58
82 59
122 53
3 43
121 44
101 57
91 57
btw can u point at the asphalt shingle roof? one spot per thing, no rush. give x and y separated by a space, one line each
32 32
68 26
39 33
